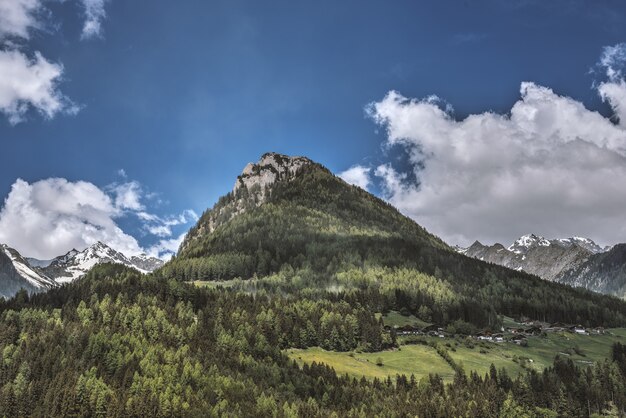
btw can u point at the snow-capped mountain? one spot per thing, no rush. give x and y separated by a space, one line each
585 243
33 275
524 243
575 261
546 258
75 264
16 273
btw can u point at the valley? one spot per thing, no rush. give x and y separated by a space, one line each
418 356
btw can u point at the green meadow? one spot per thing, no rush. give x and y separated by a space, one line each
421 359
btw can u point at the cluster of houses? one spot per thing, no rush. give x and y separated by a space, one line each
537 328
431 330
516 335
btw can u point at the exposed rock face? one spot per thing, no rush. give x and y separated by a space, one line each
144 262
251 189
272 167
536 255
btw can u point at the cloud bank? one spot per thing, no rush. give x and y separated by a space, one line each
550 166
49 217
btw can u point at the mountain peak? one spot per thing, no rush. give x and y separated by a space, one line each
525 242
270 168
76 264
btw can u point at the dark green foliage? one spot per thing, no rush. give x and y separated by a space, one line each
120 344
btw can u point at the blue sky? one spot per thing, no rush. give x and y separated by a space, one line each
181 95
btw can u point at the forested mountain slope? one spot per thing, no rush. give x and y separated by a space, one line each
292 221
121 344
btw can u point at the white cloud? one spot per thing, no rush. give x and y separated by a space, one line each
33 83
94 15
357 175
551 166
613 91
128 196
162 227
26 83
49 217
165 248
19 17
612 61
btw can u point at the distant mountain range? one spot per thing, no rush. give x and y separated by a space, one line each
576 261
34 275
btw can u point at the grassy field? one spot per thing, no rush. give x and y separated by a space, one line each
395 319
215 284
421 360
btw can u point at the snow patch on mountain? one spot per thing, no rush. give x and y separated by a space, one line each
22 267
33 278
525 242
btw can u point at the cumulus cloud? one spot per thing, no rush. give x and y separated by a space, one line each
49 217
27 82
128 195
94 15
165 248
30 83
357 175
550 166
19 17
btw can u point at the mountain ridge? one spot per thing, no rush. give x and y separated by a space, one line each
75 264
574 261
33 275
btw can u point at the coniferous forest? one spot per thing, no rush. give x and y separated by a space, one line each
120 344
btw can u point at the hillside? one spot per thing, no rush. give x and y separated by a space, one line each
603 272
117 343
294 225
16 274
